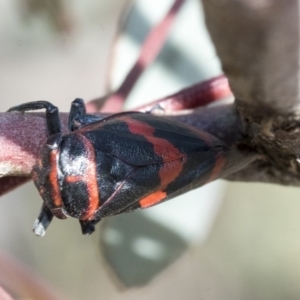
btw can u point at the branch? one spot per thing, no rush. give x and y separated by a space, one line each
4 295
199 94
258 43
151 47
21 138
20 280
23 135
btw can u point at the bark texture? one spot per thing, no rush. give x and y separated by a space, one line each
258 43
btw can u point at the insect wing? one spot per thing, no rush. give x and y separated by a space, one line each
152 159
141 139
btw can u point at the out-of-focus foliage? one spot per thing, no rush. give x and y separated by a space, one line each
53 11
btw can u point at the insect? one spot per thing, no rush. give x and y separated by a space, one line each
121 163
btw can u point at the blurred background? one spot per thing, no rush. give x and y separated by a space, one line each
223 241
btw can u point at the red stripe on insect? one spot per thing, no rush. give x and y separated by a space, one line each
152 199
173 158
90 179
53 178
167 173
162 147
170 171
218 167
73 178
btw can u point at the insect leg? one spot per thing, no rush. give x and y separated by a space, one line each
77 110
52 116
78 116
43 221
87 227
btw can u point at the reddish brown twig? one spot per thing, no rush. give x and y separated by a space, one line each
21 137
22 281
9 183
4 295
149 51
197 95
